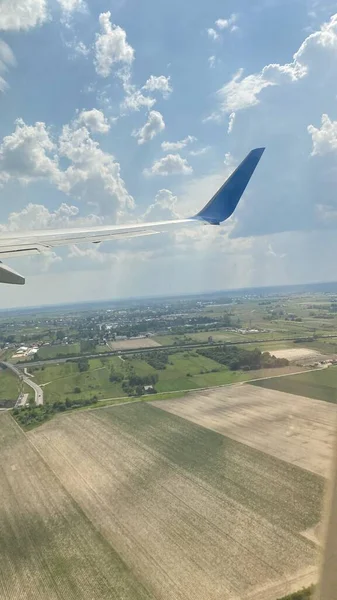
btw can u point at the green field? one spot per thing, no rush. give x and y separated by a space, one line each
185 371
321 384
10 386
60 380
58 350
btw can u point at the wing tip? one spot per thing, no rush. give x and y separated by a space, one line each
222 205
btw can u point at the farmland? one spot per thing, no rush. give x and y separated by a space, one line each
103 376
58 351
320 384
197 514
49 547
216 494
299 430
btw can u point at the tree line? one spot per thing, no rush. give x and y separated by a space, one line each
237 358
29 416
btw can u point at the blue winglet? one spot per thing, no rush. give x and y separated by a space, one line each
224 202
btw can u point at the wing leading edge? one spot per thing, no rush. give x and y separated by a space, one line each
219 208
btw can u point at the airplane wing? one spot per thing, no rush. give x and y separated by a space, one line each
218 209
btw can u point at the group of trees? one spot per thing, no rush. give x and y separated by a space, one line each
35 415
134 385
157 360
83 364
237 358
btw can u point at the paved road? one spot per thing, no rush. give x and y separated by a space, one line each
37 390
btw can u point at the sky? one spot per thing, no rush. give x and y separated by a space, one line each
120 111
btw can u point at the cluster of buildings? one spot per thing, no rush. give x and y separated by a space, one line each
25 352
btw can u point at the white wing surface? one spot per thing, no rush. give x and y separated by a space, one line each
218 209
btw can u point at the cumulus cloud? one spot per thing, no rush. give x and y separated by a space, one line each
19 14
111 46
25 154
94 175
37 216
30 153
134 100
324 139
158 84
163 208
94 120
243 92
154 125
172 146
172 164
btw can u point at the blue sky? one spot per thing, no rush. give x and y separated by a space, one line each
124 110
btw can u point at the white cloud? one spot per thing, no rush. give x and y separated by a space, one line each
24 154
154 125
240 93
94 175
212 33
78 47
37 216
94 120
172 164
70 6
111 46
243 92
200 152
135 100
30 153
231 122
211 61
163 208
169 146
22 14
227 23
158 84
7 59
222 23
324 139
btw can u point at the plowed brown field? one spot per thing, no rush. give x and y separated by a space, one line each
193 515
297 429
